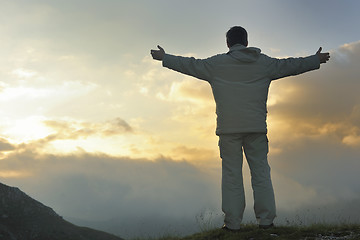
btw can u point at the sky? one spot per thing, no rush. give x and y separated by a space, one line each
91 126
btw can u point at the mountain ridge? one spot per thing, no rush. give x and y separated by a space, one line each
24 218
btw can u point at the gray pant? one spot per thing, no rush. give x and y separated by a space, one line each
255 146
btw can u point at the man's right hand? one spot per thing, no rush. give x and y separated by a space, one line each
323 57
158 54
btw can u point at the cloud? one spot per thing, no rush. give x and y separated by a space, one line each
323 102
69 135
191 90
41 134
23 73
352 140
192 153
97 187
74 129
201 157
314 127
5 145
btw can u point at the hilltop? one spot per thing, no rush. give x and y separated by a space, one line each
252 232
23 218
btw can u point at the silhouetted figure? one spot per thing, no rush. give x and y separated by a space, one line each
240 82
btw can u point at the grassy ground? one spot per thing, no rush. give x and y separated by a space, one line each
252 232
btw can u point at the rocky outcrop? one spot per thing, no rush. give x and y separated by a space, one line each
23 218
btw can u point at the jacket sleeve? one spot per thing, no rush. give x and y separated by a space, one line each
280 68
199 68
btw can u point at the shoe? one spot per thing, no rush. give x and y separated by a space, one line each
266 226
225 228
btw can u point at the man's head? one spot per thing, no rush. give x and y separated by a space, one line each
236 35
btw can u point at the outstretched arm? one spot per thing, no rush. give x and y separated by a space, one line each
280 68
158 54
323 57
199 68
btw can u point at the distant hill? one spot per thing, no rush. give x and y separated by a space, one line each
23 218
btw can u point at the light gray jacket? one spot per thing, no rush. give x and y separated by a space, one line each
240 81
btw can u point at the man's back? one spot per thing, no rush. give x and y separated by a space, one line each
240 81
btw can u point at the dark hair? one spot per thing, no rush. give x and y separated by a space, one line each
236 35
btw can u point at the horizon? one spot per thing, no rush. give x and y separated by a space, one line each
94 128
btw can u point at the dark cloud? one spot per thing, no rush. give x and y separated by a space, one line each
325 165
5 145
117 126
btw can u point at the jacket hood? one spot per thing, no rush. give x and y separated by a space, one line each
244 54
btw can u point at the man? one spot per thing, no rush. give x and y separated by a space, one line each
240 82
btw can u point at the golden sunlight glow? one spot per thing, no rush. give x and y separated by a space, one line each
352 140
28 129
24 92
114 146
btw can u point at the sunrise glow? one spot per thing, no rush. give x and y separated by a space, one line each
91 125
